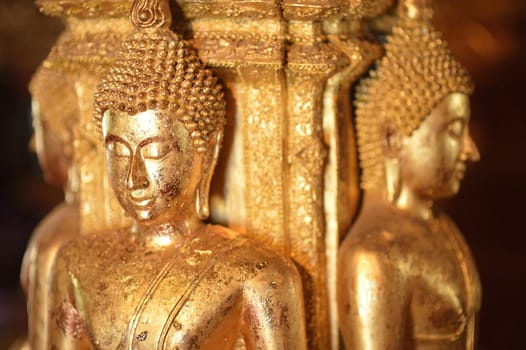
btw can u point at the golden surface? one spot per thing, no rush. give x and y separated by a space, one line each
84 51
288 176
417 72
407 283
340 185
169 281
55 114
406 277
58 227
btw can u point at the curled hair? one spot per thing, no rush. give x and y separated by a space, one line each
417 72
156 70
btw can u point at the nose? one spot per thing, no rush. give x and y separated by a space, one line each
470 151
137 175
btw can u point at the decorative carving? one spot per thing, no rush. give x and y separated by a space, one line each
231 50
257 9
85 51
85 8
286 77
369 8
150 14
55 121
170 281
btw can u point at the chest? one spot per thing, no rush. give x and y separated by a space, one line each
136 299
446 288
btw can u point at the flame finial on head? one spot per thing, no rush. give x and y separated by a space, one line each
157 70
151 14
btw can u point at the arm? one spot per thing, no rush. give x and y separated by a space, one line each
373 302
58 226
66 328
273 312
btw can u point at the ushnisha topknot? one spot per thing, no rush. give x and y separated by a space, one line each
417 72
157 70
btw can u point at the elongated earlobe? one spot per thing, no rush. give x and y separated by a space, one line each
393 179
201 204
202 193
392 167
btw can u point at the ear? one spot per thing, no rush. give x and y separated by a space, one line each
393 145
209 162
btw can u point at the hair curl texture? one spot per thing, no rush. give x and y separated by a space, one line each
156 70
416 73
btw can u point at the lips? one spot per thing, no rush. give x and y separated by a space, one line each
142 202
459 172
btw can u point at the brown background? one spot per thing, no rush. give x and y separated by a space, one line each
486 35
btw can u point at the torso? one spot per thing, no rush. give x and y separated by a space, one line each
57 228
444 292
129 296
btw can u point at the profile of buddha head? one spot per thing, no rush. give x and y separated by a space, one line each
412 113
55 113
161 114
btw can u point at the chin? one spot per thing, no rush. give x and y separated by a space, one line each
144 216
450 191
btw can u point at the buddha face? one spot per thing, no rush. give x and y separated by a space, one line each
152 164
433 159
52 151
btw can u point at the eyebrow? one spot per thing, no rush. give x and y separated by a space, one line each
151 140
112 137
457 118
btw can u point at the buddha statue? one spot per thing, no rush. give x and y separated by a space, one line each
55 113
407 279
170 281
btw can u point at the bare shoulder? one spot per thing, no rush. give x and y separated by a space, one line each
255 259
371 242
386 242
386 230
55 230
376 249
85 251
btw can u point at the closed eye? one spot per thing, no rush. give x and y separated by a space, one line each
155 150
117 147
456 127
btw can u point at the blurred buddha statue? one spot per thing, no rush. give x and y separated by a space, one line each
55 114
171 281
407 279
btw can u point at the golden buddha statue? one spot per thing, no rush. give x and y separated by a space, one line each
407 279
170 281
55 113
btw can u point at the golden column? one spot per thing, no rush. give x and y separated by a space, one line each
288 173
95 33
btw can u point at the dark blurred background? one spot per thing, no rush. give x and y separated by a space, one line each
488 36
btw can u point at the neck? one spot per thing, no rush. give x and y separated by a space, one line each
410 201
171 233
